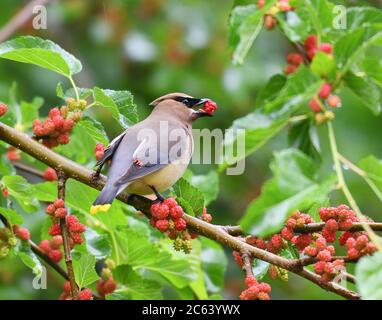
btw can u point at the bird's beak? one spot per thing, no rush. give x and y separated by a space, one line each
200 112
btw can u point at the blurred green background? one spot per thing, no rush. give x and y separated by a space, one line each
152 47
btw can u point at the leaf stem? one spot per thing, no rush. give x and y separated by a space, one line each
343 186
74 88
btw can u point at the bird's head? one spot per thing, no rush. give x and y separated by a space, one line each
185 106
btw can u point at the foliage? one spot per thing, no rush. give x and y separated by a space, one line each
145 264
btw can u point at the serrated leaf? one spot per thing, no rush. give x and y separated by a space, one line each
40 52
369 277
365 92
137 251
119 103
208 184
95 129
84 269
183 189
134 286
294 186
21 190
361 16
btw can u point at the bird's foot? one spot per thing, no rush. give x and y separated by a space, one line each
159 198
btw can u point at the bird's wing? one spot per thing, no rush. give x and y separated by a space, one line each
148 158
110 150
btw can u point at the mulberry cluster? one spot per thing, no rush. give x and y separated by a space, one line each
167 216
8 239
52 248
22 233
106 284
294 61
84 294
255 290
58 211
55 130
206 216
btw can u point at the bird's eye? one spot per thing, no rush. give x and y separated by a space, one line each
185 102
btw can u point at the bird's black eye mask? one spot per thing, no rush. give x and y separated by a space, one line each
190 102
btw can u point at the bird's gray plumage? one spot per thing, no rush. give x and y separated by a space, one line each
131 169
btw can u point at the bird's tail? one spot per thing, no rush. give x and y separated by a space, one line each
104 200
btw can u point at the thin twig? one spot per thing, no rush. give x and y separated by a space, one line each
36 249
75 171
65 236
247 264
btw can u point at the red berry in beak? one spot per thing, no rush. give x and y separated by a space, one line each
210 107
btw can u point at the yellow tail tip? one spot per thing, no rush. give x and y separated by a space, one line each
99 207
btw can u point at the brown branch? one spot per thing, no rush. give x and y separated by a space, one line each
310 227
65 236
247 264
84 175
311 260
20 19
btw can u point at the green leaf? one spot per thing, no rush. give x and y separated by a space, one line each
194 197
303 135
350 47
270 90
214 264
40 52
295 185
295 24
84 269
373 68
12 216
361 16
255 129
22 191
97 244
28 257
323 64
208 184
94 129
134 286
373 168
365 92
119 103
70 93
245 23
369 277
137 251
29 112
299 88
259 268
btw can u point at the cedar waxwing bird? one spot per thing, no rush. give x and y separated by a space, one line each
152 155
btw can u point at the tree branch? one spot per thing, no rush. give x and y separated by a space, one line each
65 236
75 171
